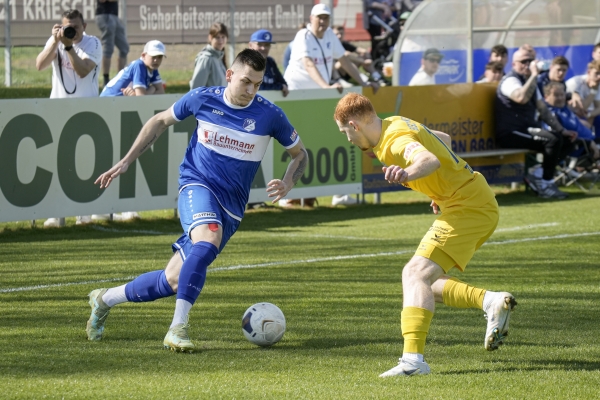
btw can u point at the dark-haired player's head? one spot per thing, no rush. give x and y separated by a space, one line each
245 77
499 53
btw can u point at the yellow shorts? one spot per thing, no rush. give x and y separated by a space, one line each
457 233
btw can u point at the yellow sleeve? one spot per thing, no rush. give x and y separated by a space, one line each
405 148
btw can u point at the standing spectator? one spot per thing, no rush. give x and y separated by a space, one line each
74 57
499 53
141 77
586 86
359 56
211 64
311 64
518 100
430 63
112 33
493 72
596 52
261 41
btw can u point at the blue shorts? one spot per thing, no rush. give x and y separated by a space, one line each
198 206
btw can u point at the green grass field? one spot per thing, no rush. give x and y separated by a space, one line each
335 273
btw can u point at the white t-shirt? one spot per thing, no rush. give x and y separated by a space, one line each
512 83
306 44
88 47
579 84
421 78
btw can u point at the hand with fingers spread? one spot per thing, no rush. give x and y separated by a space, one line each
395 174
106 178
278 189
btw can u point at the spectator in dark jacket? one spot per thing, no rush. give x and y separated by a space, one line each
261 41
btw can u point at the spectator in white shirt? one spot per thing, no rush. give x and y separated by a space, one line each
430 63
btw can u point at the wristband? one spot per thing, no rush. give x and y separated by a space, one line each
67 48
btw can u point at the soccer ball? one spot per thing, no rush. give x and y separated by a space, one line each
263 324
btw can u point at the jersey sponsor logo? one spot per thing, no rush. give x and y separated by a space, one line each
234 143
224 140
410 148
218 112
249 124
204 215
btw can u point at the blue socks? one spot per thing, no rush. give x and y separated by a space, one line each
148 287
193 271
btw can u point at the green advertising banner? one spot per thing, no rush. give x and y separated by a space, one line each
334 163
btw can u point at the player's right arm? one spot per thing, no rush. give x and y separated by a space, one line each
148 135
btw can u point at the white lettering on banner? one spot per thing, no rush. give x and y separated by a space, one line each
153 18
13 7
51 10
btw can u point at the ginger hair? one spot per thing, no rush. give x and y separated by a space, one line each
354 106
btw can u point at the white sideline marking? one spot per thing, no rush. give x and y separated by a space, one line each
312 260
520 228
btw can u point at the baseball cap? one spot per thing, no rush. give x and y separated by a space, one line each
155 48
320 9
433 53
262 36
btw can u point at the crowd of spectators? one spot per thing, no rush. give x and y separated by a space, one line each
528 106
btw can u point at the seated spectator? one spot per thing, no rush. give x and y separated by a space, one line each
586 86
359 57
556 99
141 77
430 63
211 64
493 72
261 41
518 100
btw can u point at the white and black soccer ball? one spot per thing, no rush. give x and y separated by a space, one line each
263 324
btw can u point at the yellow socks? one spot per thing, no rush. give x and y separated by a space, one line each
415 325
461 295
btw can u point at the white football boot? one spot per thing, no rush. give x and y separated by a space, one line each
407 368
497 312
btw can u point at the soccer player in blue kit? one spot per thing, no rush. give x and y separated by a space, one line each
234 128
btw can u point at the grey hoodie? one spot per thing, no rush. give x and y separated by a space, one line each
209 69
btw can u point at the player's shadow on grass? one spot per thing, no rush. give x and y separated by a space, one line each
530 365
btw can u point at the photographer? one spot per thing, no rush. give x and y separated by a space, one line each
74 57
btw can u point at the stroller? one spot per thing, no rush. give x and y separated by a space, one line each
383 45
580 168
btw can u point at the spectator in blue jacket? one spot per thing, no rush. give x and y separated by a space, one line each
141 77
261 41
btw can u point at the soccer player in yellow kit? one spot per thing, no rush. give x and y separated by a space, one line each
422 160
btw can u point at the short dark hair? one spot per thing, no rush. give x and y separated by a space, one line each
500 49
73 14
550 86
251 58
495 66
596 46
560 60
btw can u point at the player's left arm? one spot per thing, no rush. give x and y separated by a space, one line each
279 188
424 163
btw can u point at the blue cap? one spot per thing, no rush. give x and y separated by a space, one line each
262 36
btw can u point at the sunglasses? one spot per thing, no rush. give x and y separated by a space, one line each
525 62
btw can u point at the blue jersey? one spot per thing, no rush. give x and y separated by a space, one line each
135 74
229 143
570 121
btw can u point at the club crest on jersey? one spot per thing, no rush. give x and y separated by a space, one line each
207 136
204 215
249 124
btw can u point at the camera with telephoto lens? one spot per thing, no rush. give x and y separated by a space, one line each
69 32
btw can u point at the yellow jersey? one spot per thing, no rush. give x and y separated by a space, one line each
453 184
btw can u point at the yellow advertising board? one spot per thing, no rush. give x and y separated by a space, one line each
464 111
